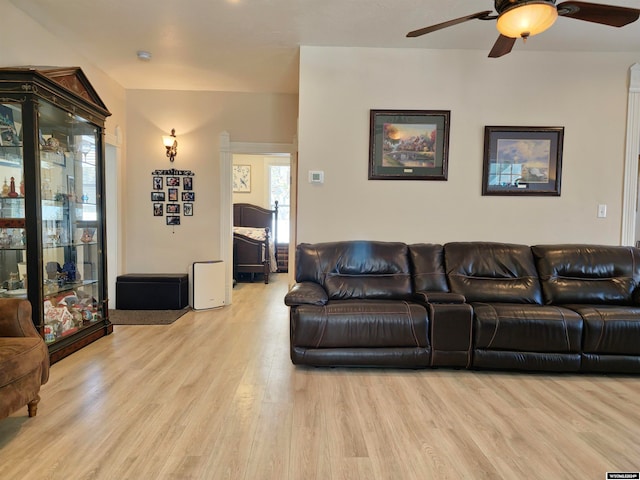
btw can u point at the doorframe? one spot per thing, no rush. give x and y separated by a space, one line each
632 150
114 215
227 150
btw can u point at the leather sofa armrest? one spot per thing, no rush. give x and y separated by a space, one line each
439 297
15 318
306 293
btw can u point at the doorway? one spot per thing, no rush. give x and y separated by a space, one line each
227 150
270 186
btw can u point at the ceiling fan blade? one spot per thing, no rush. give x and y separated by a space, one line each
450 23
502 46
598 13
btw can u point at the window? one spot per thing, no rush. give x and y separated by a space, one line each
279 190
87 201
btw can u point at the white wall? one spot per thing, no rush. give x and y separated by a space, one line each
198 118
585 93
32 45
259 194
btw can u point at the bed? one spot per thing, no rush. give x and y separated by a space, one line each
254 233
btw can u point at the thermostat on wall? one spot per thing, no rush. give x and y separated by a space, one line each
316 176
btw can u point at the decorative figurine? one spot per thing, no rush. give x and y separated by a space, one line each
12 188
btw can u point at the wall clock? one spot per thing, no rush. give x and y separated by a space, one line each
242 178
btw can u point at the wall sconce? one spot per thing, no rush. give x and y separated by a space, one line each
172 144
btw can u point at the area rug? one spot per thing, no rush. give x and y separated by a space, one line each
145 317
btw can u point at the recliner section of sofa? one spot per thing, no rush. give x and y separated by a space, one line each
363 314
467 305
600 284
512 328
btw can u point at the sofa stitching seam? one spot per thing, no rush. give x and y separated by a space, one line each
411 326
566 329
495 331
597 348
324 325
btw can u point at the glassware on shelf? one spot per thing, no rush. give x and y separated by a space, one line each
5 238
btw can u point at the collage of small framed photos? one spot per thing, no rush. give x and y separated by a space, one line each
172 195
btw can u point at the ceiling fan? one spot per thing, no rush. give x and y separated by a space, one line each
525 18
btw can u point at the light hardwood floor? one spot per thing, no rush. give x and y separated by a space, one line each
215 396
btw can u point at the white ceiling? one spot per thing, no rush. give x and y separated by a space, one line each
252 45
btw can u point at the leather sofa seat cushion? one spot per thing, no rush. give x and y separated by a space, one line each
588 274
18 356
610 329
360 323
492 272
428 272
356 269
526 328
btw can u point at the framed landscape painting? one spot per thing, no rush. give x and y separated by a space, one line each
409 144
522 160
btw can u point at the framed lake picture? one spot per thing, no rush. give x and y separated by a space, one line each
409 144
522 160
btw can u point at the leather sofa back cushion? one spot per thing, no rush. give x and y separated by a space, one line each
492 272
356 269
587 273
427 260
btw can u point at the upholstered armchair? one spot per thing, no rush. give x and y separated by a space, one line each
24 358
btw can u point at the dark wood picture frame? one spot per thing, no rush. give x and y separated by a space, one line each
522 161
409 144
157 196
173 208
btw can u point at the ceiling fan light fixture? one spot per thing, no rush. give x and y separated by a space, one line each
527 19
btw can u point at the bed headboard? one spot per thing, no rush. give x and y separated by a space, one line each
247 215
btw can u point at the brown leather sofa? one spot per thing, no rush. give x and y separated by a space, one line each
24 358
467 305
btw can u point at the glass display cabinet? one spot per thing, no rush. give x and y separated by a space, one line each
52 221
